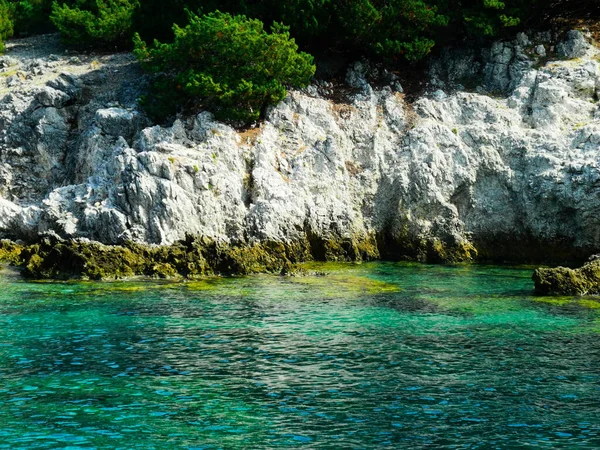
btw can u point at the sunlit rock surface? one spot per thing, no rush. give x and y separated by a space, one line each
509 166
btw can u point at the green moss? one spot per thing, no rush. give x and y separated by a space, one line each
206 284
438 251
588 303
346 285
164 270
401 244
555 301
360 248
329 266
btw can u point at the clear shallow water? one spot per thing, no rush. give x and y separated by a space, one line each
380 355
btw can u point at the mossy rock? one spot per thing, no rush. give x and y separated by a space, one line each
10 253
566 281
162 270
80 259
191 258
442 252
198 257
449 250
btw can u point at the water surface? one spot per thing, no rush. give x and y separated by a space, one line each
379 355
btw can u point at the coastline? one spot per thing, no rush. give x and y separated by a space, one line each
52 258
506 172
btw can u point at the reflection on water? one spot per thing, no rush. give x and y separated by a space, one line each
380 355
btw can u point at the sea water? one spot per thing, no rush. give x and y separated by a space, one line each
378 355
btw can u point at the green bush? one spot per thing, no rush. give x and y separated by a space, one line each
6 24
489 17
393 29
396 30
405 28
390 28
101 23
228 64
31 16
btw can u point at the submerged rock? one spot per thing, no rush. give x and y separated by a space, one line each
566 281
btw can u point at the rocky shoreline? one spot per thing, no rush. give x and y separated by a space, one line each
53 258
506 170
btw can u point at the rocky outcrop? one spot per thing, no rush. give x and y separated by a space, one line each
506 170
190 258
567 281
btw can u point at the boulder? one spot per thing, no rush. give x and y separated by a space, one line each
573 46
48 96
566 281
117 121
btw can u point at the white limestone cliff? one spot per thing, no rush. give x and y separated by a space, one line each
515 160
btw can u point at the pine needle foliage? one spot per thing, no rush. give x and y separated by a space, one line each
227 64
100 23
6 24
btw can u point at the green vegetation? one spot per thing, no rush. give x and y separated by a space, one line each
31 16
6 24
230 64
9 252
395 29
221 57
190 258
490 17
102 23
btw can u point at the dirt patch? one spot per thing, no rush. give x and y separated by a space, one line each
249 136
40 59
353 168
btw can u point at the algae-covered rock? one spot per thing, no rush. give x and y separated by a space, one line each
80 259
9 252
191 258
566 281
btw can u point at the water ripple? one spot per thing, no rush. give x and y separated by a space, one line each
375 356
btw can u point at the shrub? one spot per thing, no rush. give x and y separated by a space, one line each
390 28
6 24
228 64
102 23
406 28
488 18
31 16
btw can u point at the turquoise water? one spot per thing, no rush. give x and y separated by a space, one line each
381 355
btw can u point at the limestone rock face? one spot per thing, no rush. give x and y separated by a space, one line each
507 174
574 46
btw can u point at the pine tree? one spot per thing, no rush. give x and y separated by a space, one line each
103 22
226 63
